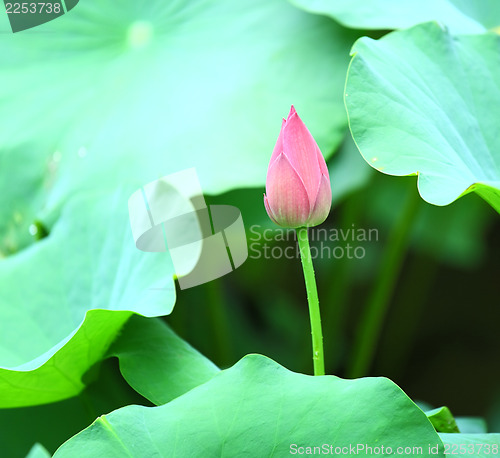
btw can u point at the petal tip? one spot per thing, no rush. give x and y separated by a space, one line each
292 112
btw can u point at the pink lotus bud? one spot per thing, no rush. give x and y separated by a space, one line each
298 189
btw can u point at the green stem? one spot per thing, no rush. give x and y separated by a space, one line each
371 322
312 299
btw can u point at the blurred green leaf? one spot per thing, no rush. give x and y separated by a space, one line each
24 177
258 408
423 102
442 420
156 362
470 425
348 171
38 451
461 16
487 12
65 299
128 93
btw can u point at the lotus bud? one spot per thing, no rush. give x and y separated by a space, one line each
298 191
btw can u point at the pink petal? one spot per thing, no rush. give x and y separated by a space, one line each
278 148
322 164
302 151
269 211
286 195
322 203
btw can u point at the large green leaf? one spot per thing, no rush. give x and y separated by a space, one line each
422 101
127 92
65 298
156 362
461 16
258 408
